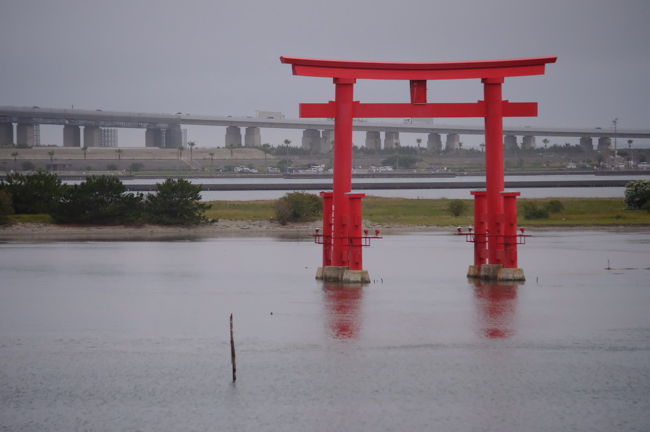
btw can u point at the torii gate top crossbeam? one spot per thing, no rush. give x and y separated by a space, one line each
417 71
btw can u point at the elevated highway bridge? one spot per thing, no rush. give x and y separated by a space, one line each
164 130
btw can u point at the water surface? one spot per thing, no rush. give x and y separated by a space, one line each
134 336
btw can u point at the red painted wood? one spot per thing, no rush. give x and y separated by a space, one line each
494 167
355 254
399 110
480 228
343 217
327 228
418 91
342 183
417 71
510 228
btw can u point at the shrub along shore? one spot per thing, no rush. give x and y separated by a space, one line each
103 201
551 212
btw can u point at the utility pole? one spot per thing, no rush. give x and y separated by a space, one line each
615 121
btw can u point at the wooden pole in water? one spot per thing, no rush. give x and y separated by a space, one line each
232 353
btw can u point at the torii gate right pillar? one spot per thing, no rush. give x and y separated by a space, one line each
501 222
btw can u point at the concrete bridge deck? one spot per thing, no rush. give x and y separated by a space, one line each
79 117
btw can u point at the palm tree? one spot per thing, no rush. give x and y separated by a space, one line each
85 150
15 156
629 146
180 152
545 141
483 147
211 158
286 146
191 145
119 154
51 155
419 141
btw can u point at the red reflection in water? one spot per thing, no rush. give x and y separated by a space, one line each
496 308
343 303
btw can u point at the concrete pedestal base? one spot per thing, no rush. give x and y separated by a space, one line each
511 274
341 274
474 271
495 272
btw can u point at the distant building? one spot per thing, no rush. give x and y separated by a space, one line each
270 115
108 137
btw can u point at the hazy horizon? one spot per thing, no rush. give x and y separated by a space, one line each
222 58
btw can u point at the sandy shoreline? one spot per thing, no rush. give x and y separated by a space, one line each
51 232
28 232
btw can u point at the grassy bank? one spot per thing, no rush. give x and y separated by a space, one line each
31 218
435 212
240 210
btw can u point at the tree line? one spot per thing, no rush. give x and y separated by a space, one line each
100 200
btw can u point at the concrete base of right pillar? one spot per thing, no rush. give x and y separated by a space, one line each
511 275
495 272
342 274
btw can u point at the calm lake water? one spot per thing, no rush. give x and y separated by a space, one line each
133 336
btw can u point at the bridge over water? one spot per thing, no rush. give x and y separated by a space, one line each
20 125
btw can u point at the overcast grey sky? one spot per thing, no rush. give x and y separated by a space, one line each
221 57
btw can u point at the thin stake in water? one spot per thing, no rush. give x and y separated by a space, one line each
232 353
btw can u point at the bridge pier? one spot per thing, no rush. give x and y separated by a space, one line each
391 139
92 136
6 134
26 134
311 140
327 141
528 142
604 144
233 137
153 137
71 136
510 143
252 137
434 142
373 140
174 136
587 143
452 143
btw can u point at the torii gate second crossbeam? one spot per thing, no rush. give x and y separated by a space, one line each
495 237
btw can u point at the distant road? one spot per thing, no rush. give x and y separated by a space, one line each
394 185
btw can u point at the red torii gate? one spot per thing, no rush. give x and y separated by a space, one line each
495 233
